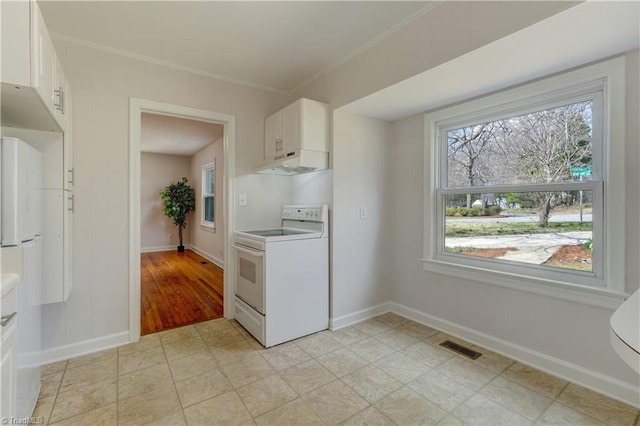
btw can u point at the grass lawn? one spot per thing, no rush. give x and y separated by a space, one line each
504 228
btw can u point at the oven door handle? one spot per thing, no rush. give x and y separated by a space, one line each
249 251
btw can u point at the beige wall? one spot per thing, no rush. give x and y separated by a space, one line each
157 231
207 241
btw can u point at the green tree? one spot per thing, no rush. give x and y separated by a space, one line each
179 200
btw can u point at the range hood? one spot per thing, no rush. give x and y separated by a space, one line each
296 162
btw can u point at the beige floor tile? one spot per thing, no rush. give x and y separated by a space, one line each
371 383
492 361
318 344
480 410
266 394
219 324
103 416
440 337
307 376
391 319
343 361
466 373
406 407
76 401
451 421
536 380
296 412
225 410
417 330
150 407
397 339
96 357
178 334
334 402
441 390
558 414
202 386
429 354
54 367
517 398
368 416
140 359
234 352
372 327
371 349
42 411
223 337
597 406
50 384
348 335
87 374
247 371
189 366
144 381
285 356
402 367
150 341
180 348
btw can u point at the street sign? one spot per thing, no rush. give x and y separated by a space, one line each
581 171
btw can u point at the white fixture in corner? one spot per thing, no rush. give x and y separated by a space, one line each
625 331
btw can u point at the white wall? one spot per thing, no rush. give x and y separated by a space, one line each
157 171
208 242
96 313
360 171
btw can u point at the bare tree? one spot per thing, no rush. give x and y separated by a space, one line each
547 144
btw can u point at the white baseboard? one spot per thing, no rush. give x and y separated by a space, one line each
85 347
158 248
597 382
347 320
211 258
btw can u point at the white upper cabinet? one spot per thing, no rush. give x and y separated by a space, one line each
301 125
33 84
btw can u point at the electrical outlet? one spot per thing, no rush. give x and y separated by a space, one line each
363 213
242 200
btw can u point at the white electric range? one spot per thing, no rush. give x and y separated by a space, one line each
282 276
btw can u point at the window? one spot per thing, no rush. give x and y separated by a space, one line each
208 194
524 187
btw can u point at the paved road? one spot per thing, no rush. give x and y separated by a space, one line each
573 217
532 248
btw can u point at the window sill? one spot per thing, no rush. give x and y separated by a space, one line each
590 296
209 226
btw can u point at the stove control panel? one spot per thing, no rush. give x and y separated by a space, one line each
312 213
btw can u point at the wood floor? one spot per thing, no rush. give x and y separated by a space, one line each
178 289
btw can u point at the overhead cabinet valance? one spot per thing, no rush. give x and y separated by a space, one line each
297 139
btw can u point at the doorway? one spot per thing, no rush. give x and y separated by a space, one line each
138 107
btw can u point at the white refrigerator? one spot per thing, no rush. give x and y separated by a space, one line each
21 219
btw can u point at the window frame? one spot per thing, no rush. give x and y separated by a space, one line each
206 168
605 286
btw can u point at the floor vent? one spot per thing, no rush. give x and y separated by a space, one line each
469 353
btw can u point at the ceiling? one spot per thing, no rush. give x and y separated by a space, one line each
275 45
162 134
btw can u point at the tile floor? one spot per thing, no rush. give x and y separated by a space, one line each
386 370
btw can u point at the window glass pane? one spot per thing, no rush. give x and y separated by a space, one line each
210 182
553 229
551 145
209 209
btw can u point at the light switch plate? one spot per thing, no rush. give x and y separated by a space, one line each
242 200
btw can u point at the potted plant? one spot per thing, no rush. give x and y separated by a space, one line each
179 199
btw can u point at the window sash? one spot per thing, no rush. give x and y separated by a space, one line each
208 195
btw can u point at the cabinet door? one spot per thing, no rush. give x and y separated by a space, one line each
291 127
60 95
272 136
55 204
8 366
44 60
69 174
68 246
16 43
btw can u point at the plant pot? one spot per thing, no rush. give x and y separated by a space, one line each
180 249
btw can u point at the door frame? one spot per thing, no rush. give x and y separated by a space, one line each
136 107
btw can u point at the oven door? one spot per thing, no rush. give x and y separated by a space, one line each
250 276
